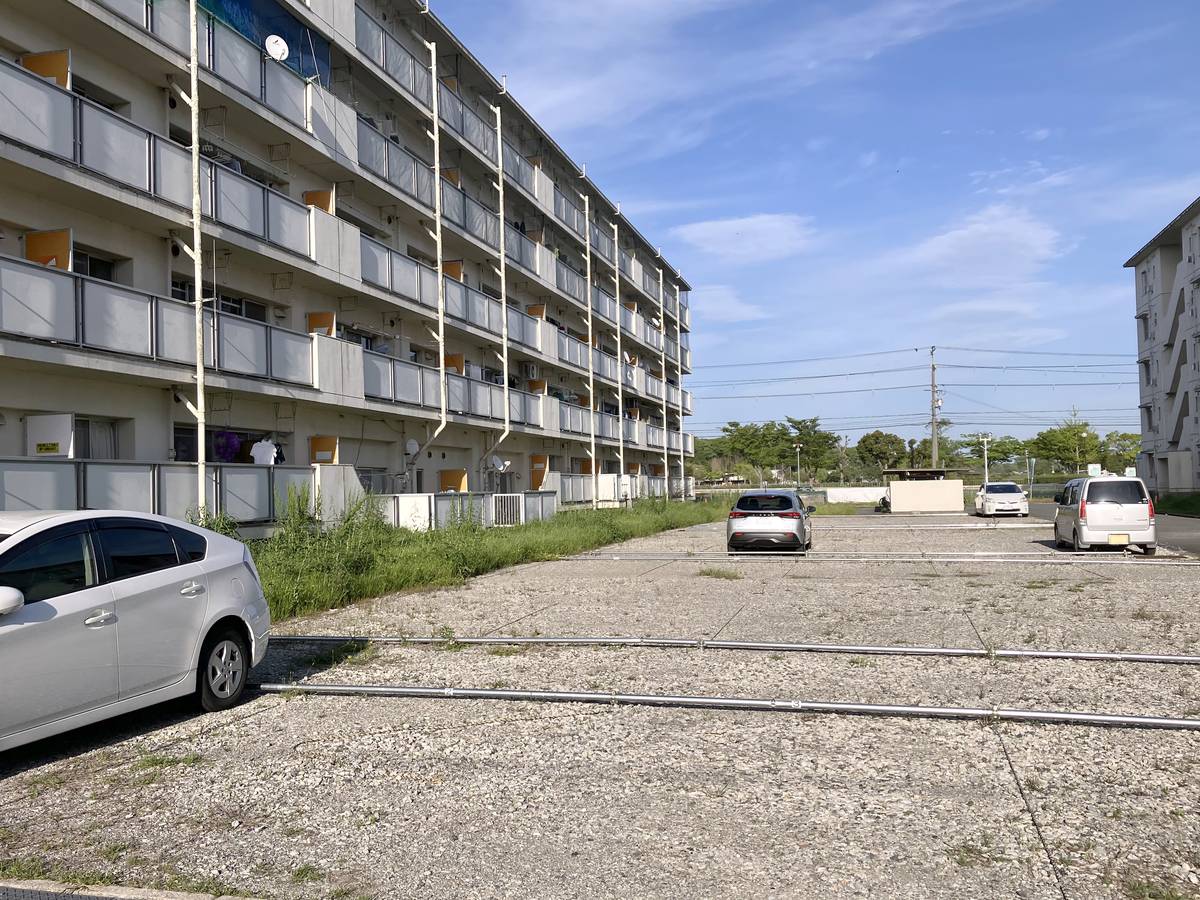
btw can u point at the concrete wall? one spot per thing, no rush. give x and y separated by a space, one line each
855 494
926 496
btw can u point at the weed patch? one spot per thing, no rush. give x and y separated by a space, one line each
714 572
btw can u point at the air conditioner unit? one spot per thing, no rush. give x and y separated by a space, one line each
529 371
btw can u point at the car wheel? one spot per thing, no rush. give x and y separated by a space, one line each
224 664
1149 551
729 548
1075 545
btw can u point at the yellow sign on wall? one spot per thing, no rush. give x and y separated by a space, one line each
49 448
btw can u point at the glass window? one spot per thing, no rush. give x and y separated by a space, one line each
191 546
131 550
1003 489
765 503
50 566
1115 492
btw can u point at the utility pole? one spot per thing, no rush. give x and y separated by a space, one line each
986 438
933 408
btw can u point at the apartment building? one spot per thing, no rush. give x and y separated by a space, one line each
563 344
1167 276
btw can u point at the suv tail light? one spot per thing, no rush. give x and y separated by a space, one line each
1151 510
1082 510
736 514
789 515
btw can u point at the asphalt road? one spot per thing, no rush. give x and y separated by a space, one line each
1176 532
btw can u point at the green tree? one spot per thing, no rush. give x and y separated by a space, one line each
817 447
1003 449
1119 450
1072 444
881 449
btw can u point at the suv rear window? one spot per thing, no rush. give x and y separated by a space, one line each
765 503
1115 492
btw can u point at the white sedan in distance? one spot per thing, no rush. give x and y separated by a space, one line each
104 612
1001 498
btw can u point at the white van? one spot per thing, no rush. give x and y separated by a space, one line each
1109 511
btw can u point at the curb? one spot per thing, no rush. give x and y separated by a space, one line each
36 890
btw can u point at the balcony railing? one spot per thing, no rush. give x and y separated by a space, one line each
394 164
470 215
604 365
602 241
387 53
518 168
246 493
523 329
654 387
466 122
572 351
48 304
604 305
569 281
568 213
654 436
574 419
650 282
77 130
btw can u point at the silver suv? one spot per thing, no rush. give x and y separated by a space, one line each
1109 511
769 520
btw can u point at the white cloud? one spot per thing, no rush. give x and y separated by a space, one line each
1037 135
973 309
721 304
750 239
817 144
866 160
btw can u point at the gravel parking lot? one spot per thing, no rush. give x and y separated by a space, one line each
297 796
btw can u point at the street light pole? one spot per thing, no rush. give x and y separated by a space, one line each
798 447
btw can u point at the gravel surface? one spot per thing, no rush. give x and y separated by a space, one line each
339 796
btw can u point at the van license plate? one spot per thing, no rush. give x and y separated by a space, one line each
1118 539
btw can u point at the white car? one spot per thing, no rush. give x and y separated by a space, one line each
1001 498
103 612
1108 510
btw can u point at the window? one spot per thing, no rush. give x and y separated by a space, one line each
132 549
1115 492
184 289
95 438
51 565
192 547
765 503
87 263
355 336
1003 489
99 95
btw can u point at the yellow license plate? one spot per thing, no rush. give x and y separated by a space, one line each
1118 539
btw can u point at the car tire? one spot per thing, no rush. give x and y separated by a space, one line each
224 665
1149 551
1075 545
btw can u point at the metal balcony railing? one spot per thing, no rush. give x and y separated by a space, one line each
386 52
464 121
470 215
394 164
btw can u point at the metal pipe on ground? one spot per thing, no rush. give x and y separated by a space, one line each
1047 717
762 646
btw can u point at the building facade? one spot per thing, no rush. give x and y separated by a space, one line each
527 338
1167 279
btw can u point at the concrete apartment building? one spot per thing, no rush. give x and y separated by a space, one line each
1167 276
323 266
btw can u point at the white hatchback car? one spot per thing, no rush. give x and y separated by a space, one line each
1108 510
102 613
1001 498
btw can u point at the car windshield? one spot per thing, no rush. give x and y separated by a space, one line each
1115 492
765 503
1003 489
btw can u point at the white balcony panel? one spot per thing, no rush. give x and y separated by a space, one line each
177 333
376 264
377 376
291 356
119 487
133 10
177 490
37 485
116 319
457 397
290 481
368 36
36 302
243 345
172 173
409 382
36 113
405 275
246 492
169 20
114 147
332 122
428 295
287 223
237 60
285 92
456 298
431 392
239 202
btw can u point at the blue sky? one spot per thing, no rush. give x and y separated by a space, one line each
865 175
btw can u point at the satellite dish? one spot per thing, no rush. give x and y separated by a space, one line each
497 463
412 447
276 47
507 465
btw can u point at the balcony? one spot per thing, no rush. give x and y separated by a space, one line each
654 436
47 304
518 169
572 351
394 164
574 419
470 215
650 283
603 365
604 306
569 281
388 54
568 213
602 241
465 122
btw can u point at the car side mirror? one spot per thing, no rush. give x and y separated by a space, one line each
10 600
1058 498
811 509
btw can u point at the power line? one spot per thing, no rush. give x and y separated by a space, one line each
789 362
807 377
1040 352
1101 369
902 387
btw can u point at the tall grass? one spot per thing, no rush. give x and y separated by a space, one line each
307 567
